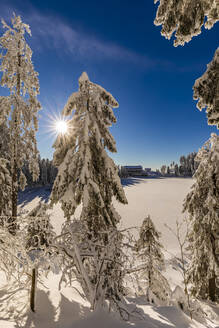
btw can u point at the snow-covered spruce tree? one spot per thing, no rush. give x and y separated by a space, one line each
185 18
88 176
202 205
206 91
20 108
149 253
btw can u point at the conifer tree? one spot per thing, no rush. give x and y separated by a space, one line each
20 108
88 176
185 18
202 205
149 252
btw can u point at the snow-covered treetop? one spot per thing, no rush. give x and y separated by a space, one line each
148 233
206 91
95 91
83 78
185 18
13 45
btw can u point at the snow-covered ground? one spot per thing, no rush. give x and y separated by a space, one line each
65 308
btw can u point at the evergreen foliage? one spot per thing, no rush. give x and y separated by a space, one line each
202 205
206 91
47 173
185 18
88 176
149 252
19 110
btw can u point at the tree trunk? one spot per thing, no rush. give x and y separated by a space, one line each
12 227
212 288
14 167
33 290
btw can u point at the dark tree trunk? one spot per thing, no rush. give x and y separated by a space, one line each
12 226
33 290
212 288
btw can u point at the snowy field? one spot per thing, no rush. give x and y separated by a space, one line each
65 308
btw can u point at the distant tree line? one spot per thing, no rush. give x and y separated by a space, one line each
47 173
187 166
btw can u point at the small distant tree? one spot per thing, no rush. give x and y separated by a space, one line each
185 18
88 176
20 108
149 252
202 206
176 170
163 169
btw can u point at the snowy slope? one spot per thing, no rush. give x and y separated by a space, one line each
66 308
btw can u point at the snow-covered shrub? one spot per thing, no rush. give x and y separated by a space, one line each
97 263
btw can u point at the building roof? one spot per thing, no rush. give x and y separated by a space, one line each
138 167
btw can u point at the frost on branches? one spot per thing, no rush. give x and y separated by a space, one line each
97 262
206 91
88 176
202 205
185 18
149 253
19 110
29 254
5 189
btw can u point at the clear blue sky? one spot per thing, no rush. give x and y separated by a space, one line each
121 49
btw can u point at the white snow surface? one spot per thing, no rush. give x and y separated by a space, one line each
66 308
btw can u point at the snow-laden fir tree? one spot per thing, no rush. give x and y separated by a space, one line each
20 108
151 261
206 91
185 18
202 205
88 176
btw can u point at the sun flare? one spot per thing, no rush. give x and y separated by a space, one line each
61 127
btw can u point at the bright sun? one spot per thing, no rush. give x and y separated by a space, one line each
61 127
